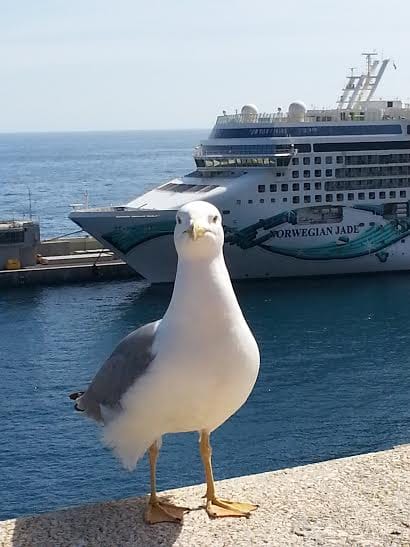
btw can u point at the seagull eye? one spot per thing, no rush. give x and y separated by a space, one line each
215 219
178 220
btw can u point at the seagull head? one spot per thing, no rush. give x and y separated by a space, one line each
198 231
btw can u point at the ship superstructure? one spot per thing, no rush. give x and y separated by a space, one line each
302 192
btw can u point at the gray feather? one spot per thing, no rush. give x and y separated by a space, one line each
128 362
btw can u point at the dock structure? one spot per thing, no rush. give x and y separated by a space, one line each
360 501
19 240
68 273
67 260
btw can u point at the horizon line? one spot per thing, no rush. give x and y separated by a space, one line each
59 131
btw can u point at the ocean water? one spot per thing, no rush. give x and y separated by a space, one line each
335 371
112 167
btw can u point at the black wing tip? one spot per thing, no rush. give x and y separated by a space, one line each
78 409
74 396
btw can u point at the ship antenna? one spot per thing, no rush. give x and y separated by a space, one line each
369 62
367 83
29 203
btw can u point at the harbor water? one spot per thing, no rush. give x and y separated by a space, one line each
60 168
335 372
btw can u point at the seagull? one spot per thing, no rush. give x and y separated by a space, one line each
189 371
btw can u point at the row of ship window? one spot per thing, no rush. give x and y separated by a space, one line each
329 186
264 162
361 146
329 198
338 185
307 173
305 148
360 184
364 159
381 171
243 162
308 160
372 171
317 160
250 149
296 187
361 159
305 131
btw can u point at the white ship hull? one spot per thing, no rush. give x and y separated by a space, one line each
372 244
156 261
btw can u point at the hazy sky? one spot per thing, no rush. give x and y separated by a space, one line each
137 64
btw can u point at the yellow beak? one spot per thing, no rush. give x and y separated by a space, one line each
196 230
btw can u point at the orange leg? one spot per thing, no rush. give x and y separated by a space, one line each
160 511
215 506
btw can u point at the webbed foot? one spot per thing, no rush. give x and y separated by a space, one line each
217 508
162 511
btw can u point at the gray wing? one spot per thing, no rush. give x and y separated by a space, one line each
130 360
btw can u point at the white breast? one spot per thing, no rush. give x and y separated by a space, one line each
209 377
207 358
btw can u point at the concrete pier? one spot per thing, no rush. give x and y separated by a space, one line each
361 501
73 273
69 260
68 245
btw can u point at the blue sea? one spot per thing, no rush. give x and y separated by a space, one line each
335 373
58 169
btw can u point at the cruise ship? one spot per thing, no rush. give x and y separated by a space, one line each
304 192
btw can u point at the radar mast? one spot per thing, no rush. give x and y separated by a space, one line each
360 89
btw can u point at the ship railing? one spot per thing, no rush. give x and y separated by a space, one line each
251 118
340 116
81 207
200 153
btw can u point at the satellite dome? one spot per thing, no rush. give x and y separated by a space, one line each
297 111
249 111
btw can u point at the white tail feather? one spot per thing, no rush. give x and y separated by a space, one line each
128 442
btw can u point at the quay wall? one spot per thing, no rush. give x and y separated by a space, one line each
360 501
73 273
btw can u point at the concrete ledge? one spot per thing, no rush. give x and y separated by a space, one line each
68 245
358 501
74 273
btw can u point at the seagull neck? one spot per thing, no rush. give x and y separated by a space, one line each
210 284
